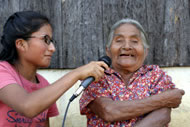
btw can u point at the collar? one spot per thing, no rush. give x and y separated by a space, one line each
141 71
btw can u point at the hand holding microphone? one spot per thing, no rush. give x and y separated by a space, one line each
97 75
94 73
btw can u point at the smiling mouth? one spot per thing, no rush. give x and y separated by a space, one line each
127 55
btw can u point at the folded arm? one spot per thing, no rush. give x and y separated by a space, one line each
157 118
112 111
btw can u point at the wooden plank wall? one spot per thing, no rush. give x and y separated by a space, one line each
81 27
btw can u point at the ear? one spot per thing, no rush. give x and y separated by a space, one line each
20 44
146 52
108 51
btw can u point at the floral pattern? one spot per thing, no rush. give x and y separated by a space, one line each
146 81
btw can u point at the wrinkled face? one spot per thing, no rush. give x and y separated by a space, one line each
38 52
126 50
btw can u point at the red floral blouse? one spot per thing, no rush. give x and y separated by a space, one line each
146 81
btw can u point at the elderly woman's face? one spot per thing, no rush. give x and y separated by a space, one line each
126 50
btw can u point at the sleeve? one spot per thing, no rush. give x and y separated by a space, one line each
160 82
94 90
6 77
53 111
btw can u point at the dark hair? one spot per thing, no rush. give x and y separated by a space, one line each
19 25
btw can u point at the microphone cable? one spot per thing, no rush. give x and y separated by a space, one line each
70 100
66 112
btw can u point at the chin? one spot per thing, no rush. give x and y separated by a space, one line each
44 65
47 65
127 63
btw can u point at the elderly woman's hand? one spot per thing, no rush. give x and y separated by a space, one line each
103 107
172 98
94 69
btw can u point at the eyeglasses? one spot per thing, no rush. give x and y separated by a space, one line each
46 39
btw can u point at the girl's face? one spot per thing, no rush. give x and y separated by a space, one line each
39 47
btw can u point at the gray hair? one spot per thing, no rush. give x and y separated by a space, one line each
128 21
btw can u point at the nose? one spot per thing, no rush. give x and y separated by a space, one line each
51 47
126 45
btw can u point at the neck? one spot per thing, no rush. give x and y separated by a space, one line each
26 70
125 75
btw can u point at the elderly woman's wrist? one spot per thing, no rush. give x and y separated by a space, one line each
158 101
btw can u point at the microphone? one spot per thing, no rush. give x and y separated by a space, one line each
89 80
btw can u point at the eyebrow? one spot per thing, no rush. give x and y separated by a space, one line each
135 36
117 35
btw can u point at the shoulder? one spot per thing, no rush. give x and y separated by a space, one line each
5 65
8 75
152 71
155 73
152 68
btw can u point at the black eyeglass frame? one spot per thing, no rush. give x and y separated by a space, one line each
46 39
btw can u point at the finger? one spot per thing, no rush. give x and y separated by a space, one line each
99 73
103 64
182 92
97 77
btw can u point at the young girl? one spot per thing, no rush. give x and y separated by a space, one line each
26 98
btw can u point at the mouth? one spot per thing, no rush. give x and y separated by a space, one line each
49 56
126 55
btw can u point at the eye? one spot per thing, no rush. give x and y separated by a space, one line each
134 41
119 40
47 39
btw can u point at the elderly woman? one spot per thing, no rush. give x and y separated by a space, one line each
130 94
